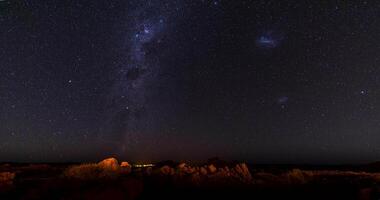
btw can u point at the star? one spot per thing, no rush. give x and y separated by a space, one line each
266 41
146 30
269 39
283 100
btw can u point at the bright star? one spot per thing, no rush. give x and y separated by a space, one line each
269 39
266 41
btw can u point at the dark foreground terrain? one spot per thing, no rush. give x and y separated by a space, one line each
110 179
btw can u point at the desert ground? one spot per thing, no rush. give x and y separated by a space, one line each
214 179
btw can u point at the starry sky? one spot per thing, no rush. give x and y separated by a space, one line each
147 80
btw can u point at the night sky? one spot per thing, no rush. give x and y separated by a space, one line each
150 80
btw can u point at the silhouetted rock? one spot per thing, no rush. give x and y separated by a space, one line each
165 170
148 171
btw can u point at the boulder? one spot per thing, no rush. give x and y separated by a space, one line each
190 170
109 164
203 171
125 164
212 169
165 170
182 165
243 172
125 168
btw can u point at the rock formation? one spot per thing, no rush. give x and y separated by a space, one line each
125 164
208 174
109 164
211 168
166 170
242 172
106 169
6 178
125 168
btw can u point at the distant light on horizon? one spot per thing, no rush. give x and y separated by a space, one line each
142 165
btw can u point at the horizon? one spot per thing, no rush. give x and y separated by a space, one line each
198 161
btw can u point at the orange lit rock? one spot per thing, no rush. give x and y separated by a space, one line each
125 164
6 178
109 164
191 170
212 169
125 168
182 165
243 172
203 171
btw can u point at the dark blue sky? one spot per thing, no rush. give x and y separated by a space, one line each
262 81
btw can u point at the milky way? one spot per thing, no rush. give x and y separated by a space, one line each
139 71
